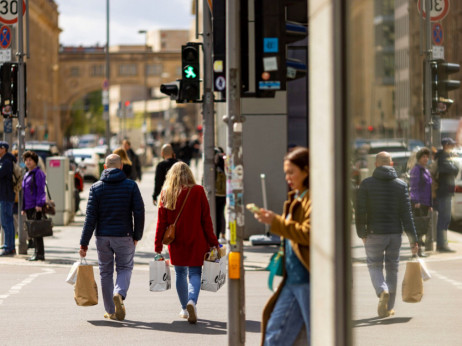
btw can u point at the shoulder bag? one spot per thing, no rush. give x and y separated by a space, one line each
169 235
49 207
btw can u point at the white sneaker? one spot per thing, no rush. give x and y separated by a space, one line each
192 311
222 240
183 313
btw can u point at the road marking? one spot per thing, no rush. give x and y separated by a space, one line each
455 283
17 287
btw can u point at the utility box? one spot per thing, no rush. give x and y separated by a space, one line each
59 185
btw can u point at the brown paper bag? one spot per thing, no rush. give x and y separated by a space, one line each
412 290
85 289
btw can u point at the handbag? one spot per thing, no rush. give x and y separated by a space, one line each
169 235
39 228
276 265
49 207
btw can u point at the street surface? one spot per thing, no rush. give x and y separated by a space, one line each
37 306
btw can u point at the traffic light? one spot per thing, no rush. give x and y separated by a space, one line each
8 89
172 90
277 27
219 46
441 84
190 67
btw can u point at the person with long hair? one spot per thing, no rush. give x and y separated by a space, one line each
127 165
289 308
194 235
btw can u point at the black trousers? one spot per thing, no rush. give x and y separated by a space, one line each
32 214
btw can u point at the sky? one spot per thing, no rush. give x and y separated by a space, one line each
83 22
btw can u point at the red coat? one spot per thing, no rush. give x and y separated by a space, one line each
194 233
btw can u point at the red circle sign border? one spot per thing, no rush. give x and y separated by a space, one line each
14 21
9 31
438 18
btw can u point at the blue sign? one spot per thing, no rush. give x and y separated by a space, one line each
270 45
269 85
106 108
8 125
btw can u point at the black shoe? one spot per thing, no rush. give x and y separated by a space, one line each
445 249
8 252
36 258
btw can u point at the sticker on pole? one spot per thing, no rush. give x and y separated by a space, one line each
9 11
439 9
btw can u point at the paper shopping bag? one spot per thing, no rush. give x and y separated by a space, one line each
412 289
85 289
72 276
159 276
213 275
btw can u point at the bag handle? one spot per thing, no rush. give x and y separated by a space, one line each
48 191
184 202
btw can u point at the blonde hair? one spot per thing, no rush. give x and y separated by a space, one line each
123 156
178 177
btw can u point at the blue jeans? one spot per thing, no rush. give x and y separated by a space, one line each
291 311
124 250
6 209
187 292
379 247
444 218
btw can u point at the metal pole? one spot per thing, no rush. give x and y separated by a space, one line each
145 83
235 176
208 112
428 76
108 75
22 249
265 200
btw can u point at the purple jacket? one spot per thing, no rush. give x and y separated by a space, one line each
33 187
421 185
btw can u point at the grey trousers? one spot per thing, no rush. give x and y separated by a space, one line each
122 249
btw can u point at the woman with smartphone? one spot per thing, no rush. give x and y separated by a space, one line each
289 308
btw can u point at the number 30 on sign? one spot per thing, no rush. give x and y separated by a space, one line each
438 9
9 11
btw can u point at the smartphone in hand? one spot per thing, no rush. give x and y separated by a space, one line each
253 208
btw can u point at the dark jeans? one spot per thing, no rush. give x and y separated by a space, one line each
443 205
421 221
220 203
39 245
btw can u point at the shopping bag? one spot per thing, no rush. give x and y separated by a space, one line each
412 289
424 270
85 289
159 276
213 274
72 276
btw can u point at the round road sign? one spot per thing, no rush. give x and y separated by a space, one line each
5 36
220 83
438 10
9 11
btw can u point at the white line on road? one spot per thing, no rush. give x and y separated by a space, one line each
17 288
457 284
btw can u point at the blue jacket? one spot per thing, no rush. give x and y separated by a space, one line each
6 178
383 205
115 208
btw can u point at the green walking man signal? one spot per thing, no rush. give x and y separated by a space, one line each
189 72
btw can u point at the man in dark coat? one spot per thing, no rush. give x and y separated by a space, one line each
116 211
383 208
162 168
136 165
446 174
7 199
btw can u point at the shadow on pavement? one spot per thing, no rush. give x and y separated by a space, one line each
261 248
375 321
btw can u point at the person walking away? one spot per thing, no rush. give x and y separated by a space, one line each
383 207
169 159
7 199
127 165
115 210
34 198
194 234
136 171
447 171
421 195
220 194
288 310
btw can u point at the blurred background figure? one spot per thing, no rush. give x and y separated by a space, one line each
126 162
136 165
220 193
162 168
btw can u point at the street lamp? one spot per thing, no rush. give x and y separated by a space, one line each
145 80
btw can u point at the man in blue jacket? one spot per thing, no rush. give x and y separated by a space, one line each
383 208
116 211
7 198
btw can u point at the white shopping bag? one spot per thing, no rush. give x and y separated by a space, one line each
159 276
424 270
72 276
213 275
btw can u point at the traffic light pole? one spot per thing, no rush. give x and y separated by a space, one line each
235 178
428 78
208 112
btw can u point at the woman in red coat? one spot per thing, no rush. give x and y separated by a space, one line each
193 236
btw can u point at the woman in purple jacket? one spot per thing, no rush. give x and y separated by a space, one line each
421 195
34 198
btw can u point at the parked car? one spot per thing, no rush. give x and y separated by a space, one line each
88 159
43 149
88 141
456 210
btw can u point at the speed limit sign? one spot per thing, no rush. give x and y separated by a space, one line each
9 11
438 9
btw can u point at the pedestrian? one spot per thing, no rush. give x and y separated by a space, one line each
34 198
115 210
446 173
288 310
382 209
421 195
136 172
194 234
169 159
7 199
126 162
220 194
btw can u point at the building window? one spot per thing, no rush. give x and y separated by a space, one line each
127 70
75 71
97 70
154 69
